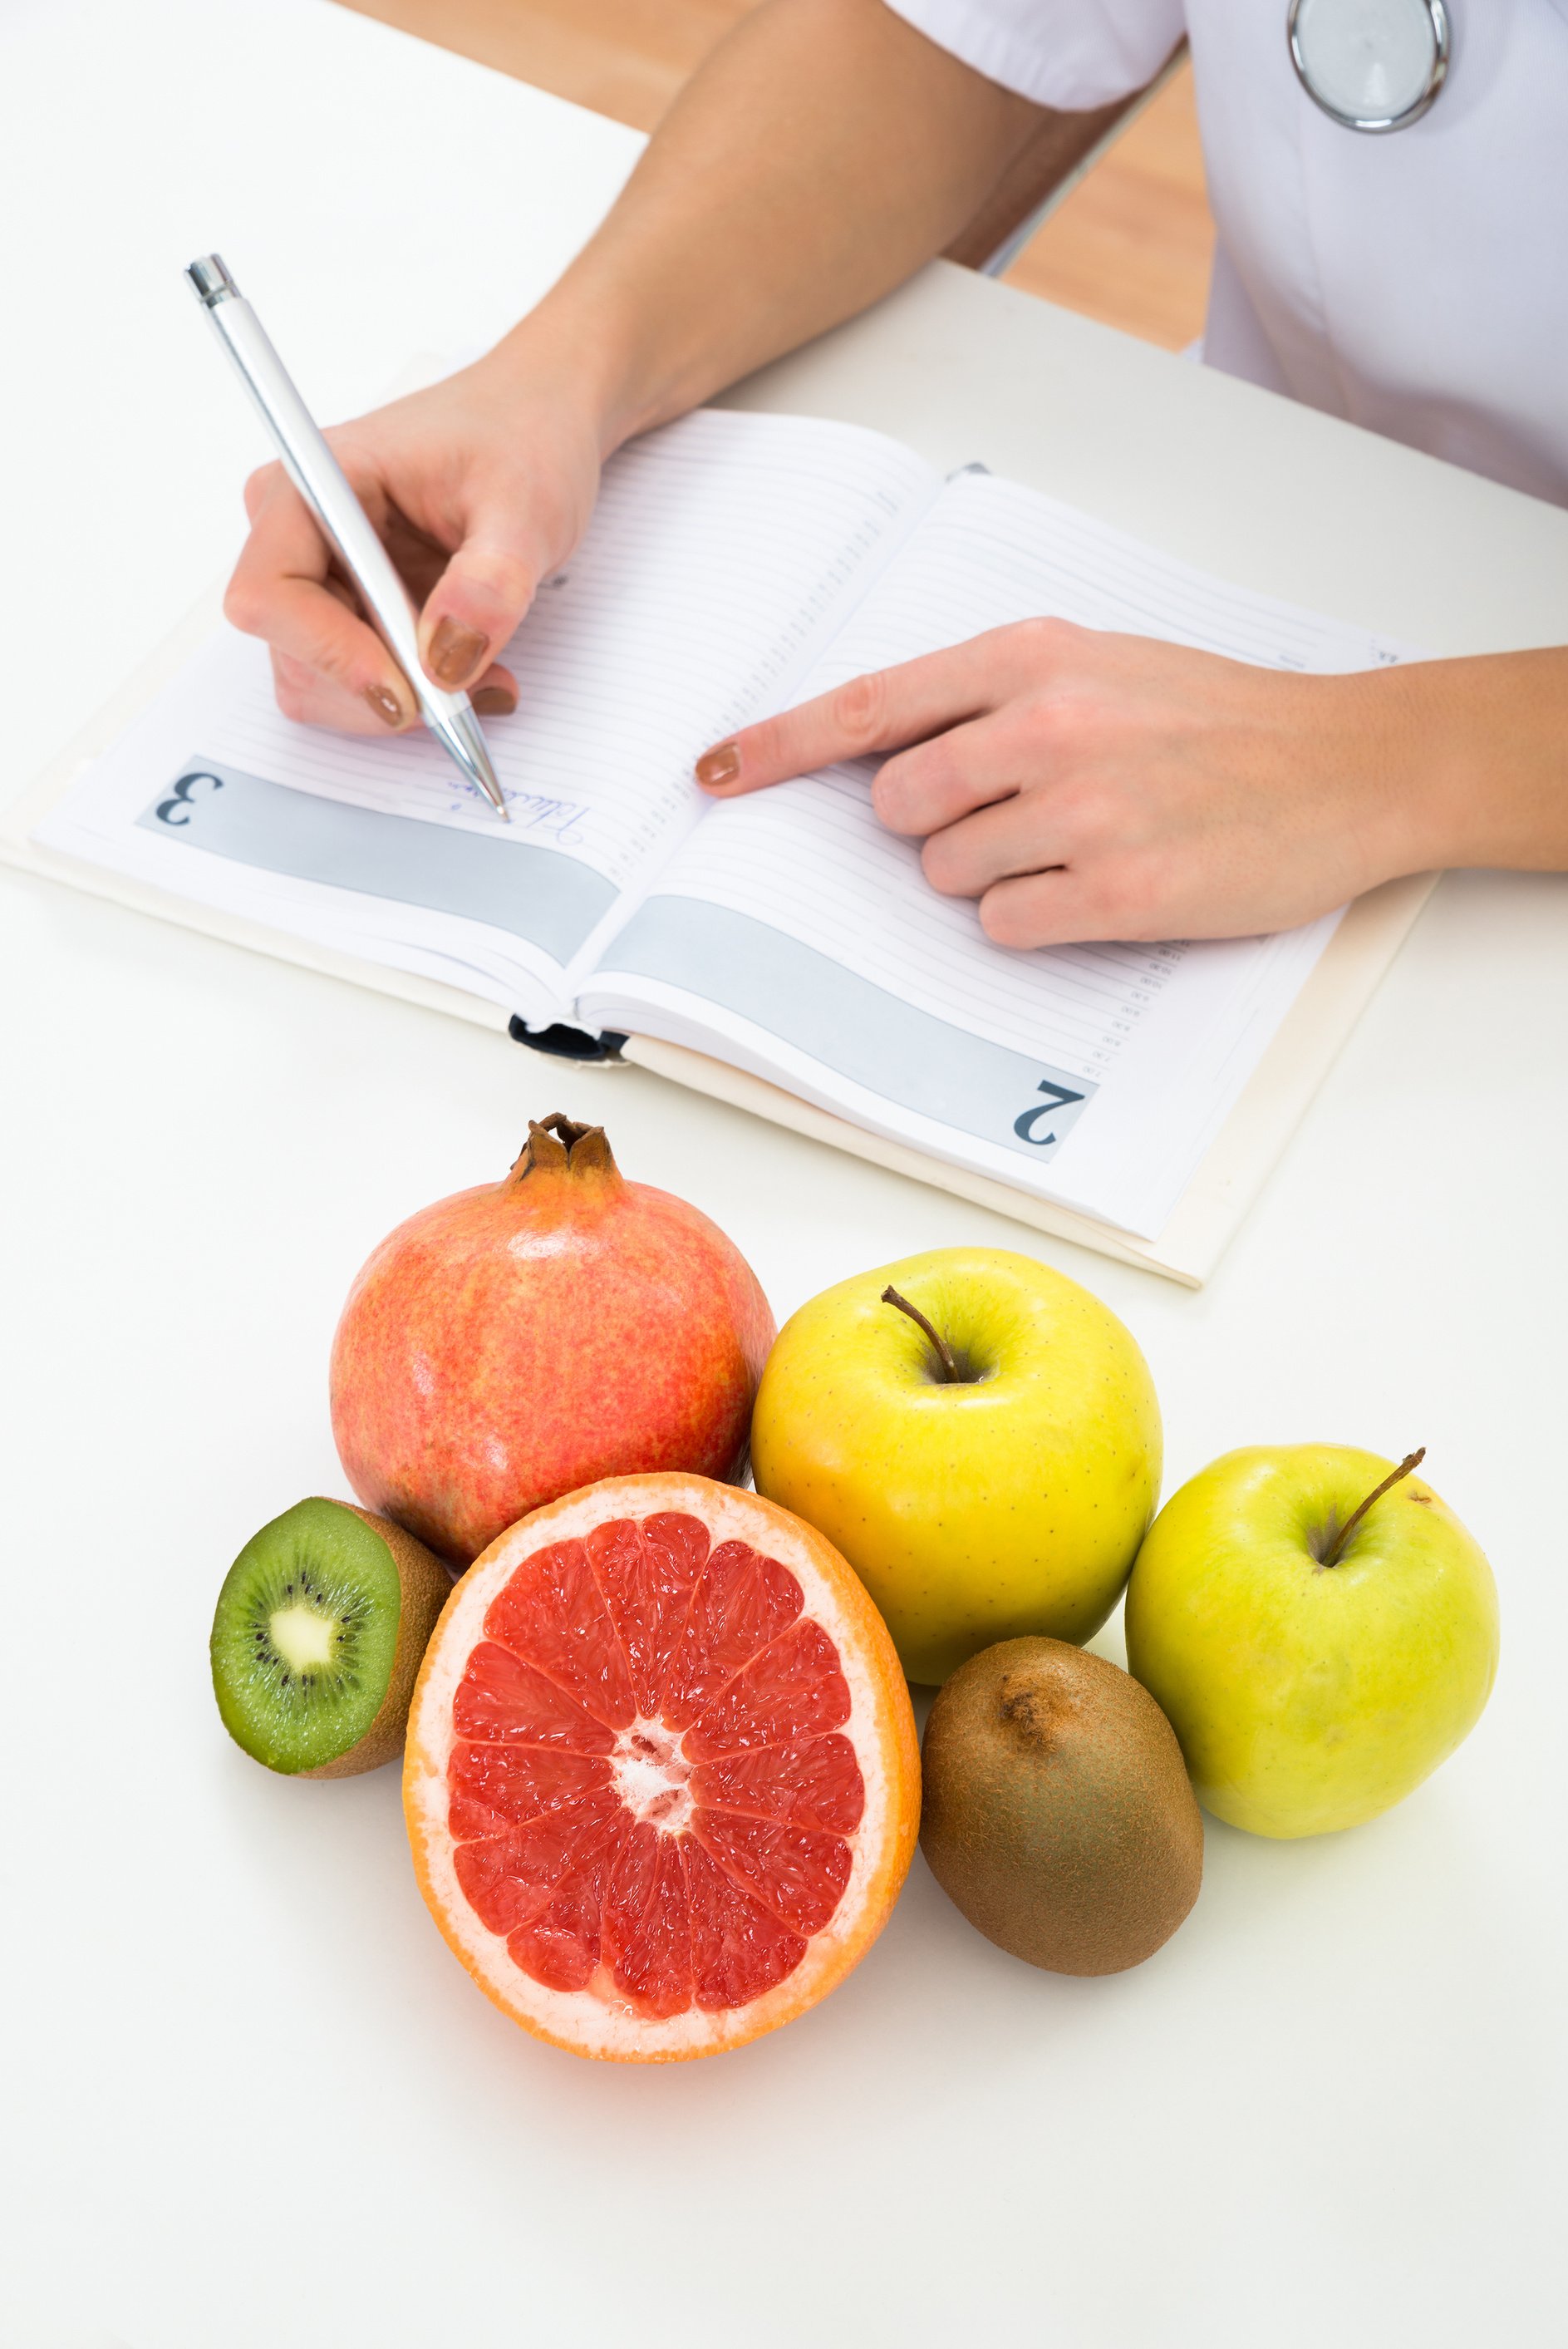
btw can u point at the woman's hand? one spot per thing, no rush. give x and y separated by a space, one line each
1084 785
481 487
824 151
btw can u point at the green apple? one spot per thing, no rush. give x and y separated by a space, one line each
1316 1659
977 1434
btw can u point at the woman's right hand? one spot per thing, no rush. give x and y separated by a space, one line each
481 487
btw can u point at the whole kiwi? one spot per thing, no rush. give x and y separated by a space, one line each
1057 1814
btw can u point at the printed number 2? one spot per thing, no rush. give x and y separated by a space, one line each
178 809
1024 1127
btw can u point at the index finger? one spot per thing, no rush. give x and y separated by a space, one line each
278 591
886 709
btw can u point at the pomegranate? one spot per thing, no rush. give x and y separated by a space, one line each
514 1341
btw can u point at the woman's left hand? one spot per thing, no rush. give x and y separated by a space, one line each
1084 785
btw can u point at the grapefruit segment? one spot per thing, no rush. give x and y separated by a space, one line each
817 1783
662 1781
741 1950
647 1573
791 1688
511 1878
502 1698
555 1619
495 1787
559 1948
646 1931
741 1602
796 1873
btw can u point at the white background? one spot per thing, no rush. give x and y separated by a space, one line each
247 2096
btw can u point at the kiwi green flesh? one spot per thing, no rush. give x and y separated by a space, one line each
304 1638
1057 1811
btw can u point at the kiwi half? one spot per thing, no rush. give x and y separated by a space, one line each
320 1626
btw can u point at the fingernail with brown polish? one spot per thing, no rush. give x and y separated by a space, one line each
386 705
456 651
493 701
720 766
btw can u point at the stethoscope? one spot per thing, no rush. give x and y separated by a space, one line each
1372 65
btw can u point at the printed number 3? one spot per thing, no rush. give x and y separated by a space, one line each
178 809
1024 1127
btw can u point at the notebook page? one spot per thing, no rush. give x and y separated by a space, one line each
721 555
805 935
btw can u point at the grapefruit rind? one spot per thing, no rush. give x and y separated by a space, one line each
881 1727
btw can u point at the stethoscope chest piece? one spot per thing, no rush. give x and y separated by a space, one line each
1372 65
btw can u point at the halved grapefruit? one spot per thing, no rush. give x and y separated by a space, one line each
662 1780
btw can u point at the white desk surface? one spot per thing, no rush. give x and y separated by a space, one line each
248 2097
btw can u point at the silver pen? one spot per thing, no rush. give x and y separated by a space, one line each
321 482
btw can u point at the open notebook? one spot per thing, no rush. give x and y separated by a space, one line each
781 948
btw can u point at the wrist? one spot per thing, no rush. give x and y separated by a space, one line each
581 353
1407 796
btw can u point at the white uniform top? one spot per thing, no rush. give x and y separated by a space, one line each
1415 280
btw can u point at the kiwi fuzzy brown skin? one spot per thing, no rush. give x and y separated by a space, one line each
426 1585
1057 1814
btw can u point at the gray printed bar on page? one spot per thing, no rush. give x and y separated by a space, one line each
851 1026
541 894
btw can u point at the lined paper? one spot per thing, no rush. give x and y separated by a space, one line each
990 552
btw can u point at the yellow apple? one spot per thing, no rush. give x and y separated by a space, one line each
1315 1664
977 1434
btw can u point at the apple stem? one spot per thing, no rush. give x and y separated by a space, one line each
950 1370
1336 1547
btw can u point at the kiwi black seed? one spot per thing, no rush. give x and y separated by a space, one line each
1057 1811
320 1626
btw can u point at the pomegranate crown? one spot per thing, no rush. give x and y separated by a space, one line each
556 1146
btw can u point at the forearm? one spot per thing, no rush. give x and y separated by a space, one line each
1481 749
823 153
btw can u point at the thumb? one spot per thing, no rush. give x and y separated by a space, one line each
479 597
